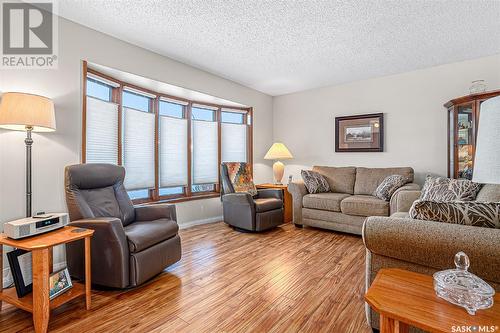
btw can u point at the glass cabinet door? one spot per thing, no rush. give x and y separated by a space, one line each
464 141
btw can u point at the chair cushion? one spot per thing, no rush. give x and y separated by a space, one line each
315 182
368 179
479 214
240 176
443 189
324 201
388 186
267 204
341 180
143 234
364 205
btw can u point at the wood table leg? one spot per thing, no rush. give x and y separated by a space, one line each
41 306
87 273
1 272
51 260
389 325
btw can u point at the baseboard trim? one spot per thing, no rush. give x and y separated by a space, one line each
7 276
199 222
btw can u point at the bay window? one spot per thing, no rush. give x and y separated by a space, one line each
171 147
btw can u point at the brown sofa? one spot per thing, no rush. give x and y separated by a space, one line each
130 244
351 198
426 246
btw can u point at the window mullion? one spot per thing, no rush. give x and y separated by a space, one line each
117 98
219 147
156 110
190 149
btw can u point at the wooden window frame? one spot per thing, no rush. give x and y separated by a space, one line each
154 193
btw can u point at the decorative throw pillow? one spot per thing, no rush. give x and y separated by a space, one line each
314 182
388 186
240 176
479 214
445 189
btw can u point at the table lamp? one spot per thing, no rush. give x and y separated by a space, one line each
278 151
30 113
487 158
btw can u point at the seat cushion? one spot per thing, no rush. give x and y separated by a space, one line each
267 204
368 179
143 234
364 205
341 179
324 201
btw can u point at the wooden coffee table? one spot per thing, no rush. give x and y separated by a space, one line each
404 298
38 302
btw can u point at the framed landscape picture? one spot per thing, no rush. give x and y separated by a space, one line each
361 133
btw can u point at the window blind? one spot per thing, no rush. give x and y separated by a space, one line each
101 131
173 152
138 149
234 142
205 152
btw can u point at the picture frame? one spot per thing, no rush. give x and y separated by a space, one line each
359 133
59 283
20 266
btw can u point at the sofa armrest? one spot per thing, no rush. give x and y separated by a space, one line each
403 198
110 252
270 193
155 212
297 189
434 244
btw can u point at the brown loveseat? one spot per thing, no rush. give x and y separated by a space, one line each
351 198
426 246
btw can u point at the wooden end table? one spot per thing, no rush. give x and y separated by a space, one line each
404 299
287 199
38 302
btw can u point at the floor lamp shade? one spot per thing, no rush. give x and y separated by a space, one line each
30 113
278 151
19 111
487 157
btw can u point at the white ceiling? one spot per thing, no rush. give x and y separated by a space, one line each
284 46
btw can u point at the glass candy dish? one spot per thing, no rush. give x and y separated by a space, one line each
462 288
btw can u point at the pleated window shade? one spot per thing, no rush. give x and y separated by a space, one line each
173 152
138 149
205 152
234 142
101 131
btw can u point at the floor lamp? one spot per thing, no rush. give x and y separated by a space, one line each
30 113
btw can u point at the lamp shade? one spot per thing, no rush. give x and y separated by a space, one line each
278 151
18 110
487 157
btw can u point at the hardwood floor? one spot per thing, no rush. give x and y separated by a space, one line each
285 280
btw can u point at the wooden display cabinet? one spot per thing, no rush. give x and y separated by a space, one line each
463 119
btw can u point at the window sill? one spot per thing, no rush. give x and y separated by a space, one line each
198 196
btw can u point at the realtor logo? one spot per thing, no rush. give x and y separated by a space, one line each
28 35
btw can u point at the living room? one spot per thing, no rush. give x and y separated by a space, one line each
266 106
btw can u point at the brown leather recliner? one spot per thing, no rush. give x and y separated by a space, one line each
130 244
246 213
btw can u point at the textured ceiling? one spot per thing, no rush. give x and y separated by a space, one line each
279 46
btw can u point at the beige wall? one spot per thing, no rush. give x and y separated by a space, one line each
412 103
51 152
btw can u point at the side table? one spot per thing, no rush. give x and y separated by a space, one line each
287 199
404 299
38 302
